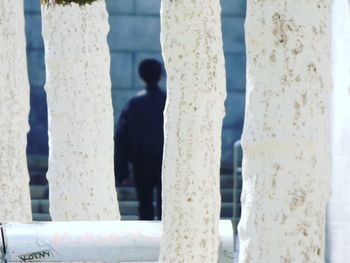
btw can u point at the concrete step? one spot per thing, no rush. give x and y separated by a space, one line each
126 193
238 208
127 197
226 181
40 206
130 217
40 210
130 208
41 217
226 168
227 195
239 181
129 194
39 191
226 210
238 195
37 178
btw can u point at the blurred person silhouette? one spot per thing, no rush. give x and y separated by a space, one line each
139 139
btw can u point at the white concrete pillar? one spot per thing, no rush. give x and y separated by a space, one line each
339 206
192 49
78 86
14 110
286 166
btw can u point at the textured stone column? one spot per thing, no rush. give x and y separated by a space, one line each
14 109
192 49
339 205
286 166
78 86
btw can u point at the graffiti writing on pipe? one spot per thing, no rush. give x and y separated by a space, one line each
39 256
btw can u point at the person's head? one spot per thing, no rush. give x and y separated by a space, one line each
150 71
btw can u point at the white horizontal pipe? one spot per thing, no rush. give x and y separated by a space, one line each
107 241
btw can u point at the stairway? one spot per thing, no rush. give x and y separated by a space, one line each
126 195
128 200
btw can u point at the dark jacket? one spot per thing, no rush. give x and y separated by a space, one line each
139 134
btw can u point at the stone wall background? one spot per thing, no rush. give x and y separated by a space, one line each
134 35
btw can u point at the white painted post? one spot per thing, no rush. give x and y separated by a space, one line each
192 49
339 207
14 109
78 86
286 166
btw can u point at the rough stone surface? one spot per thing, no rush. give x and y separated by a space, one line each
14 109
78 86
193 120
338 208
286 166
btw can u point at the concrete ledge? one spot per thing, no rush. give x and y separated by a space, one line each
107 241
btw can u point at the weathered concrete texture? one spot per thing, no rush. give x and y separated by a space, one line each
14 109
193 120
339 209
78 86
286 166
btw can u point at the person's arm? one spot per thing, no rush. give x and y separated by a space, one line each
121 141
